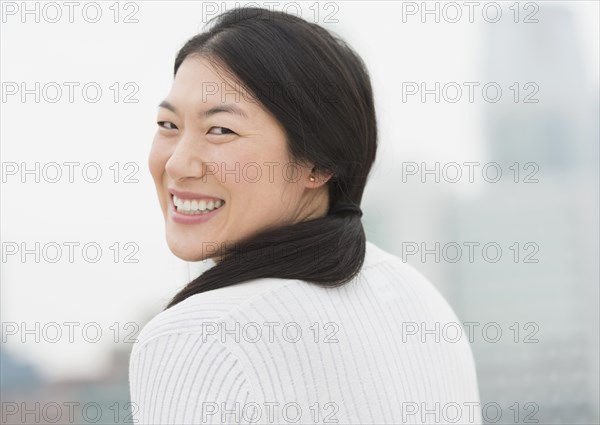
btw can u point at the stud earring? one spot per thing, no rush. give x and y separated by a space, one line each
312 178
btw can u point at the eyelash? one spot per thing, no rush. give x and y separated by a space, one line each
161 124
228 131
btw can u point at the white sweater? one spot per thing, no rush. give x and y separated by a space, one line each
384 348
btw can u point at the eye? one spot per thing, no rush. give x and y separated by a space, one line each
220 131
167 125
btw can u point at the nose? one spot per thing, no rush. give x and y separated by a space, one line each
185 162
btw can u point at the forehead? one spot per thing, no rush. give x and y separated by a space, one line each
202 80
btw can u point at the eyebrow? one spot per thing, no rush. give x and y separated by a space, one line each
215 110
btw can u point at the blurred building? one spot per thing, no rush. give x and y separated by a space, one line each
27 398
558 295
543 291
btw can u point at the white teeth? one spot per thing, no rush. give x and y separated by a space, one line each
196 206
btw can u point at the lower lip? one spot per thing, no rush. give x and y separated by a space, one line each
191 218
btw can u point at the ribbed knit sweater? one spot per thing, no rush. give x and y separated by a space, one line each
384 348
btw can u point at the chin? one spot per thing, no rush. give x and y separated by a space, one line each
185 250
188 255
192 250
185 254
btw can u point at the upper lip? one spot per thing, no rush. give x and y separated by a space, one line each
191 195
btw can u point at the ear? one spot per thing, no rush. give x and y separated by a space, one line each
317 178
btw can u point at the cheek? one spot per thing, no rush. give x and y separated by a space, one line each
264 168
267 159
268 198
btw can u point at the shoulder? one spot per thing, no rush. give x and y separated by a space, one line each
384 279
177 349
196 313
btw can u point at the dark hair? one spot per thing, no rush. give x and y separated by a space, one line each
329 120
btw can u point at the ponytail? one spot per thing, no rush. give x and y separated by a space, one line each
328 251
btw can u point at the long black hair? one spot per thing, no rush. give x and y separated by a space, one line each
319 89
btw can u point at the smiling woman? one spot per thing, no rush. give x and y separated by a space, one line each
260 159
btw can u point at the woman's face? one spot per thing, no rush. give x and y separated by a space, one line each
221 168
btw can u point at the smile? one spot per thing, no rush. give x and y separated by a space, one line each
196 206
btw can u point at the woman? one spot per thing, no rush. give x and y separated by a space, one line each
260 159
